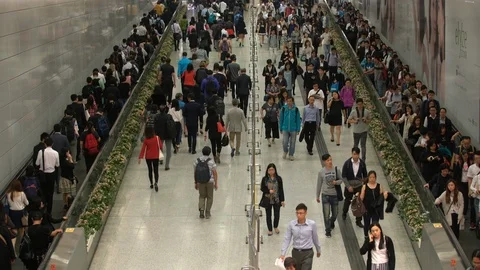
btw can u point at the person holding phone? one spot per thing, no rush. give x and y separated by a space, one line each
380 249
272 197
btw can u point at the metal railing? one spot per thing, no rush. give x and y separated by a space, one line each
434 214
252 210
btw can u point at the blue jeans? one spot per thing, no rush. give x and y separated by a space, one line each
289 139
380 86
329 202
326 49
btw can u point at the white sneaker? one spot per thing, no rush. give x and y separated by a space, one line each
284 155
291 158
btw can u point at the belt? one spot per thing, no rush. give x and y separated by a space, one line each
302 250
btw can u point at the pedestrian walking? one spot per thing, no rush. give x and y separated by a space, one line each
273 197
151 149
206 180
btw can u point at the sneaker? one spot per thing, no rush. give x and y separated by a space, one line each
332 225
310 153
291 158
233 152
207 214
284 156
194 152
328 234
201 214
472 226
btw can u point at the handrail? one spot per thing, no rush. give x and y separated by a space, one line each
413 171
103 155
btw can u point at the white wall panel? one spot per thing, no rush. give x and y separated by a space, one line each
47 49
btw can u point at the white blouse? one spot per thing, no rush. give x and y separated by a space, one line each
19 201
176 115
379 256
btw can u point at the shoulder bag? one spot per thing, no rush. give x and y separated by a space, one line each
338 188
358 208
160 153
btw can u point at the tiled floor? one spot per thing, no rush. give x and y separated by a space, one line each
148 230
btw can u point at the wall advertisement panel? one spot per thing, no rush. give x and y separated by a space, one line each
439 40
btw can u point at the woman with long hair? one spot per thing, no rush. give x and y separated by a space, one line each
261 30
241 31
188 80
407 121
370 195
272 197
269 113
91 106
272 89
17 200
347 95
177 116
214 135
68 183
292 59
193 40
89 144
380 249
151 152
452 205
459 166
335 108
307 52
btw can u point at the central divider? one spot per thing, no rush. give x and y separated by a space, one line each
253 211
96 196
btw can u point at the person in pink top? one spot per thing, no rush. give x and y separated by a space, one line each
151 152
347 95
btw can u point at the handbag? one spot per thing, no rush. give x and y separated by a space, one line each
358 208
25 219
303 58
338 188
264 202
220 127
225 140
327 117
160 153
302 135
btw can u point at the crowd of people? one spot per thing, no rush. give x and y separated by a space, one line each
26 221
449 163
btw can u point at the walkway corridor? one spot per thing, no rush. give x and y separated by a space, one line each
149 230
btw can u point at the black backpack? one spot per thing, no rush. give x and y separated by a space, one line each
26 254
202 171
171 129
219 105
67 128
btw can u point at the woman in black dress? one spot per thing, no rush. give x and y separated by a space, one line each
215 136
335 107
193 40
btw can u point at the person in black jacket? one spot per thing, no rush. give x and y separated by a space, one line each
354 172
39 147
7 250
191 112
439 181
272 197
375 242
244 86
214 134
161 130
310 77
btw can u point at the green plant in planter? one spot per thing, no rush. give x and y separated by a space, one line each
409 206
103 195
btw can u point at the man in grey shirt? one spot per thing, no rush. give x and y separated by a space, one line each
359 119
328 177
303 233
233 71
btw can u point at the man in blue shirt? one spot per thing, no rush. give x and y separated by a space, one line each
303 233
311 122
183 63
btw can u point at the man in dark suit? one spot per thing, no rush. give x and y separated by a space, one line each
60 141
191 112
353 172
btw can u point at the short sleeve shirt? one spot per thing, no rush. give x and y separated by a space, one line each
271 111
473 171
167 71
211 165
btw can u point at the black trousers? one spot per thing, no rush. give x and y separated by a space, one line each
152 165
348 200
167 88
271 130
309 129
276 215
243 103
48 188
216 145
455 226
370 217
192 137
233 87
89 159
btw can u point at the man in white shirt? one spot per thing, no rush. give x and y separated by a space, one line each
141 30
473 178
101 78
319 96
222 6
177 34
48 161
326 42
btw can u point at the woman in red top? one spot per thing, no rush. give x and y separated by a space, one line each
188 80
151 151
